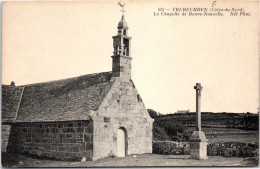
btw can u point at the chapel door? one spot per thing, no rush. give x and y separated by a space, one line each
121 143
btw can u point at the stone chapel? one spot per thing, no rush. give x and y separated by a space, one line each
93 116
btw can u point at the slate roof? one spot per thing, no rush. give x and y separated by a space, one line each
63 100
11 97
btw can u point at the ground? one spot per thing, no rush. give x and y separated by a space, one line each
147 160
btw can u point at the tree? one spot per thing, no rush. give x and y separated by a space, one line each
153 114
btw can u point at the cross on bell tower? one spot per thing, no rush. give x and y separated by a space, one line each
122 53
122 8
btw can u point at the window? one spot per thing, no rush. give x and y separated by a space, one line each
106 119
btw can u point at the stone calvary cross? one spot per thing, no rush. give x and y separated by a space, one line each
198 89
198 141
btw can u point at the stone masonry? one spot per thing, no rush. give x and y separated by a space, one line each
123 107
57 140
198 141
122 66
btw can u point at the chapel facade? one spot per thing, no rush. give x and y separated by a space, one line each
92 116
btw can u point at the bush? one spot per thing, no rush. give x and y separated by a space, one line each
176 131
159 134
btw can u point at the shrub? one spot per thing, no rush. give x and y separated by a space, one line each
159 134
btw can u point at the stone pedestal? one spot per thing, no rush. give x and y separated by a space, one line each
198 145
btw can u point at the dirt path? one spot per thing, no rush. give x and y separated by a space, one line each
134 161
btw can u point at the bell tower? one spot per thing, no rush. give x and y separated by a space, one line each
122 51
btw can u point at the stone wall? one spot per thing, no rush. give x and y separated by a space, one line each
5 131
121 66
139 137
57 140
226 149
171 147
233 149
122 107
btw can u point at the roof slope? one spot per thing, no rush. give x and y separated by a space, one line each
63 100
11 97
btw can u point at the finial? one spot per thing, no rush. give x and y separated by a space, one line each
12 83
122 6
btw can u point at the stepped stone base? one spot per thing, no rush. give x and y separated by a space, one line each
198 145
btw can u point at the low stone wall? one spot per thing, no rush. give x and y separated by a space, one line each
171 147
57 140
232 149
226 149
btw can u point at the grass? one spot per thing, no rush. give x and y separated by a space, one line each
147 160
233 138
231 135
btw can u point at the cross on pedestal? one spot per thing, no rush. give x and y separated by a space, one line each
198 89
198 141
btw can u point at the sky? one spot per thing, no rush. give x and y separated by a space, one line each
45 41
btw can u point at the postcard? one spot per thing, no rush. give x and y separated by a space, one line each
130 83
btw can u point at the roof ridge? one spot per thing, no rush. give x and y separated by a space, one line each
4 85
93 74
19 102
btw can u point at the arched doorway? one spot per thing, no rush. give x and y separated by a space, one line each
121 142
